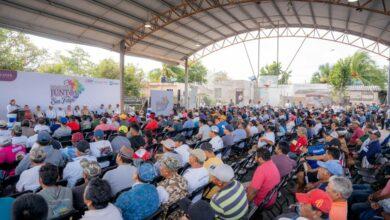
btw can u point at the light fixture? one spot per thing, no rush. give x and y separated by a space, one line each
353 0
197 45
148 25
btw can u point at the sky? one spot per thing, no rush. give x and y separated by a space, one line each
234 61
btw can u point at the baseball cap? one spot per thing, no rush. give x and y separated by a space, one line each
222 172
5 140
98 133
375 132
214 129
193 209
229 128
76 137
126 152
83 146
199 154
17 129
147 172
91 168
63 120
171 163
123 129
43 136
206 147
317 198
37 155
168 143
333 166
179 138
3 124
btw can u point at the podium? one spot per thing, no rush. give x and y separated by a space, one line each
16 116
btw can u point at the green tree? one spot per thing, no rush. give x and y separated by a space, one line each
322 75
196 73
220 76
78 62
106 68
340 77
365 71
55 68
275 69
17 52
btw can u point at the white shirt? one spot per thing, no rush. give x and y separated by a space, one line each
364 145
121 177
196 177
269 136
204 131
61 113
290 125
253 130
101 148
216 142
5 133
29 179
184 153
20 140
31 140
317 128
76 112
51 114
39 127
111 212
73 170
11 108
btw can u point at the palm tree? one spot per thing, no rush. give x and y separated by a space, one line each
322 75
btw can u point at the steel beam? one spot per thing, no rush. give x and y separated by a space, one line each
279 12
312 14
295 12
122 51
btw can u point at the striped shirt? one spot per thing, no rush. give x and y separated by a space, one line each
231 202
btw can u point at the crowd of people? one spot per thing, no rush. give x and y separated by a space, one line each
223 162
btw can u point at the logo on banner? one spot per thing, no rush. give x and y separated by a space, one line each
8 75
66 93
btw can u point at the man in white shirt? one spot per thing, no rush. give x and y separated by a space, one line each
122 177
197 175
117 109
73 170
252 128
41 126
51 113
216 140
268 137
29 179
17 137
61 112
204 130
317 127
100 147
182 148
101 110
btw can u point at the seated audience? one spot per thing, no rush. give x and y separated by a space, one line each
284 164
17 137
182 148
196 176
216 141
63 130
120 140
211 158
29 206
339 189
100 147
29 179
136 139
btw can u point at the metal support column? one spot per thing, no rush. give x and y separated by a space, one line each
186 84
122 73
388 84
277 48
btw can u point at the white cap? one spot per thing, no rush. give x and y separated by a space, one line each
215 129
168 143
222 172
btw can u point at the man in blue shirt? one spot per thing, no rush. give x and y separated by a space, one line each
373 148
142 200
221 123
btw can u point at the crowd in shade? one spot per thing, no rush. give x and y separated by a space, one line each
225 162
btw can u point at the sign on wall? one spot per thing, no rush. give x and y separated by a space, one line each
29 88
161 102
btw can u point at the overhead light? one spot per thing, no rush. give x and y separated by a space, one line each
197 45
353 0
148 25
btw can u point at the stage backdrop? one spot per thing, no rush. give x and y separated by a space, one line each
161 102
59 90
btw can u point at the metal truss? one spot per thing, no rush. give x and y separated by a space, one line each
313 33
187 8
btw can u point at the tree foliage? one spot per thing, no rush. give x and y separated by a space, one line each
275 69
17 52
220 76
322 75
358 69
197 73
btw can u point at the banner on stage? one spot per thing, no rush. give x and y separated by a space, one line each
161 102
30 88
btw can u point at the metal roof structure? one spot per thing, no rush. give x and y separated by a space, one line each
173 30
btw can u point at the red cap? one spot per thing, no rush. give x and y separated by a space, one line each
78 136
317 198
